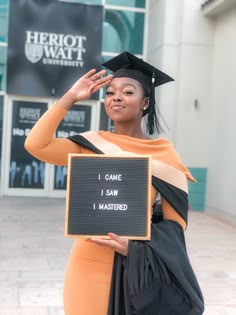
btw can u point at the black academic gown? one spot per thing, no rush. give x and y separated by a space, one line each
156 277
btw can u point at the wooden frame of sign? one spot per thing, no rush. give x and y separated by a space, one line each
108 193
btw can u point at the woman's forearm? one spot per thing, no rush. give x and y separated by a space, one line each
41 142
67 100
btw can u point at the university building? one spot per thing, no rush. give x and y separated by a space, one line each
192 41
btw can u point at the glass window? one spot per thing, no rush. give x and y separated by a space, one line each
3 21
85 1
130 3
103 118
3 39
123 30
105 122
3 60
103 91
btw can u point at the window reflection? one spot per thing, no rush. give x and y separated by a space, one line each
3 21
130 3
3 60
123 30
84 1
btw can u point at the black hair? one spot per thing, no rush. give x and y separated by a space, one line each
153 123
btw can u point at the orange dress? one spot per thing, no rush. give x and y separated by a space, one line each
88 274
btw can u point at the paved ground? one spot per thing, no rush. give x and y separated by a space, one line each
33 255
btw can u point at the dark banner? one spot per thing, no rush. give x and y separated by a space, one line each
25 170
51 44
76 121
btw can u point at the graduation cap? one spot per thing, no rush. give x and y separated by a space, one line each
130 66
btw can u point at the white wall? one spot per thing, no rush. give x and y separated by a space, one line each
200 53
221 189
194 73
162 51
182 45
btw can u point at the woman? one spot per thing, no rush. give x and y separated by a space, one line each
116 276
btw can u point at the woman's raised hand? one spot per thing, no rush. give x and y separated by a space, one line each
89 83
82 89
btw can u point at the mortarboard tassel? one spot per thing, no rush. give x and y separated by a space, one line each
153 121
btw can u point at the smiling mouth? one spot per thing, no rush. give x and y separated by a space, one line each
117 107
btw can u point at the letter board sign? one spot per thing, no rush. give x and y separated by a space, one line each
108 193
51 44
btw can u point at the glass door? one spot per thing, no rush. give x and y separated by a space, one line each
24 175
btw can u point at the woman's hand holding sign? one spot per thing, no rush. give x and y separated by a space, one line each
119 244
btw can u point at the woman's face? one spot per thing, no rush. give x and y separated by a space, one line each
125 100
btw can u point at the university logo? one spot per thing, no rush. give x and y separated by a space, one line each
33 52
55 49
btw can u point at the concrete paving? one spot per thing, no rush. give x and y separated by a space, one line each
34 253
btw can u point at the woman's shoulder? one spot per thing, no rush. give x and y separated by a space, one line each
163 141
147 140
161 148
